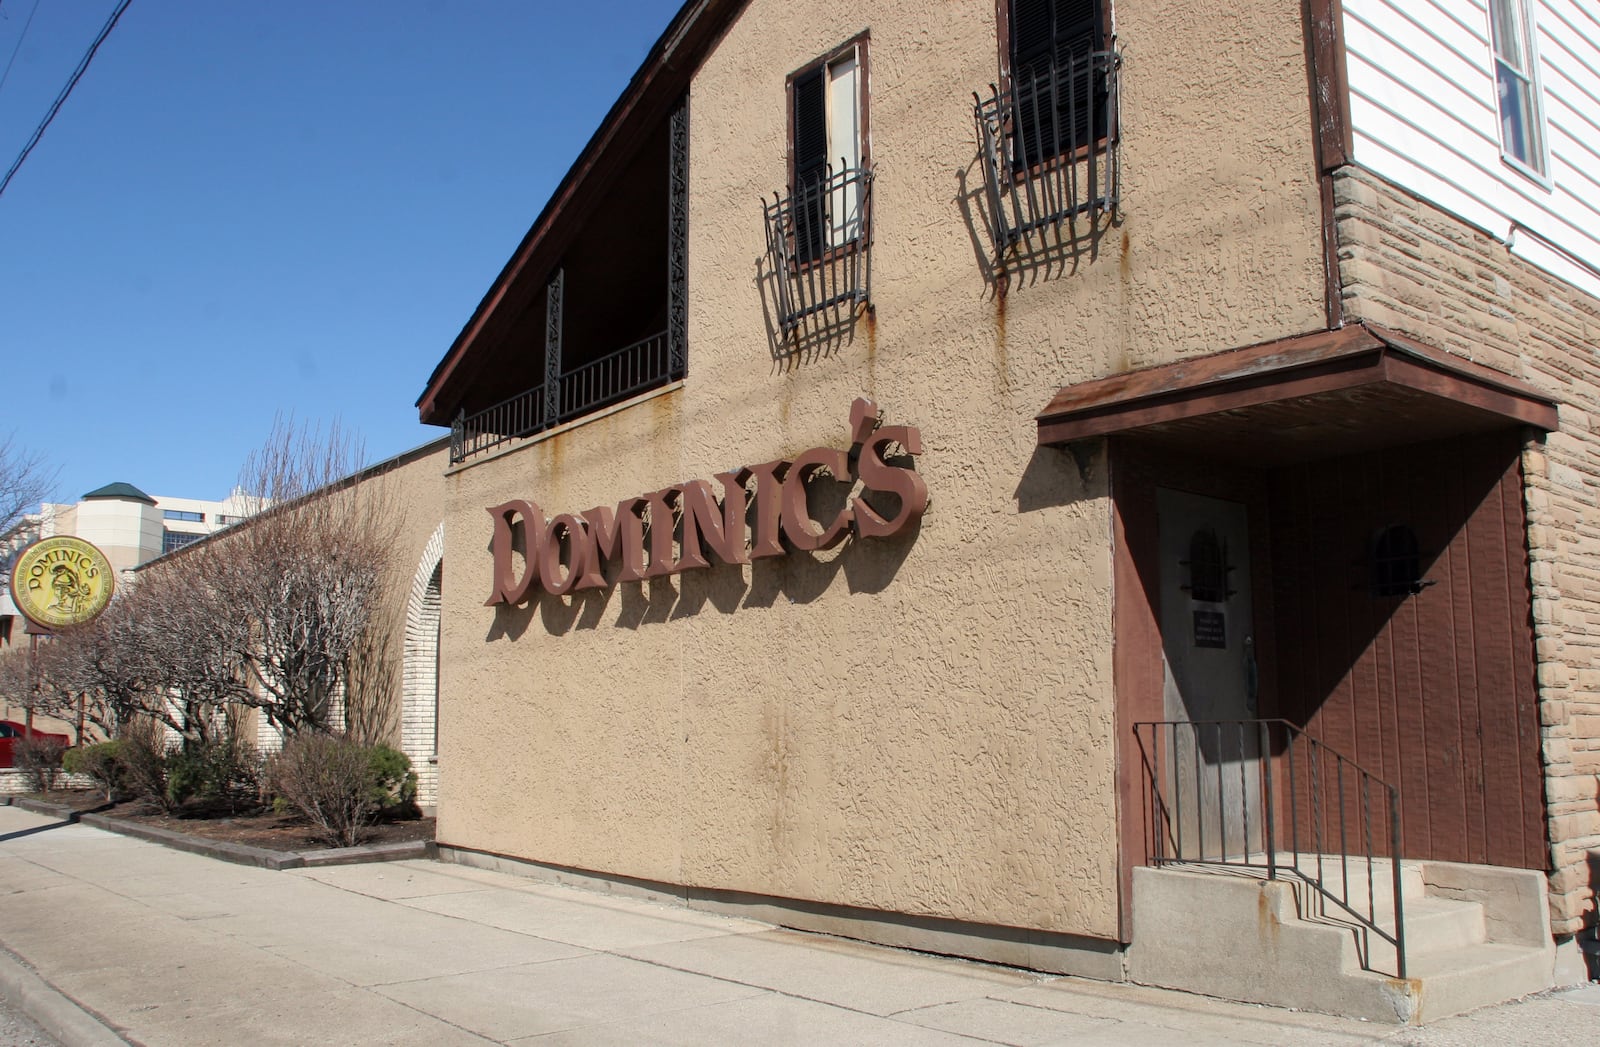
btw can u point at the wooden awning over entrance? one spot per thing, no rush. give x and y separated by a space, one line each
1359 388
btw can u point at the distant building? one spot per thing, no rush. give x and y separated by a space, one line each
129 526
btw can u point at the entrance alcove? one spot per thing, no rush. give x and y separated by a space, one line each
1329 465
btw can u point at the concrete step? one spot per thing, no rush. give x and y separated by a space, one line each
1349 879
1433 926
1438 925
1461 980
1244 937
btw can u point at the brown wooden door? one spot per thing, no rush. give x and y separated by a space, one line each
1430 685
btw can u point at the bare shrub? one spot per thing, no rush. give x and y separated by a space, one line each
330 781
144 761
371 690
40 760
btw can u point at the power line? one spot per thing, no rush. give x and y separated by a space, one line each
21 37
83 65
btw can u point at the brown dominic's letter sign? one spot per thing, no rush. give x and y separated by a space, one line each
569 552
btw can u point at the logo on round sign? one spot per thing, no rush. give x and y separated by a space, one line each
61 582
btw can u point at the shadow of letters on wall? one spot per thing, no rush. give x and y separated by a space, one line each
809 503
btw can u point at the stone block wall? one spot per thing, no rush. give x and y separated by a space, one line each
1411 267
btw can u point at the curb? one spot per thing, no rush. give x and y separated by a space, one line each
50 1009
237 853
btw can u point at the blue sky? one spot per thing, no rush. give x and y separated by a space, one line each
245 209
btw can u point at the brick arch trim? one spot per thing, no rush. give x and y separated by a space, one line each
419 686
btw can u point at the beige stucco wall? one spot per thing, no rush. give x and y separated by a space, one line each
923 724
1410 266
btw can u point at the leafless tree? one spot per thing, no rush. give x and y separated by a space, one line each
24 481
153 654
17 685
293 593
274 614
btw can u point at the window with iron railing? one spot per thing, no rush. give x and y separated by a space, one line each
819 230
818 245
1048 147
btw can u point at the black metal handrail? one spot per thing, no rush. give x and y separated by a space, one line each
1206 777
819 239
1048 144
610 379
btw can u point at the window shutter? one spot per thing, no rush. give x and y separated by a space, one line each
1077 29
810 163
1031 36
1046 31
1060 99
810 128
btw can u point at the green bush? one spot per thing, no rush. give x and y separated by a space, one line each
341 786
221 773
101 761
394 783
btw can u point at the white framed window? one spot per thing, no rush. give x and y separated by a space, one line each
1516 69
828 149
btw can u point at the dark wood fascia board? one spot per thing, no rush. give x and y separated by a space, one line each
1306 365
1333 138
1330 83
1346 372
1487 376
1185 376
660 79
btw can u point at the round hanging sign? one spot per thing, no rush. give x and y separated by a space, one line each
61 582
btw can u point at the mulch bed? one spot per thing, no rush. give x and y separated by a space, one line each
268 829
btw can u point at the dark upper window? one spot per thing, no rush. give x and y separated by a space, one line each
1060 87
828 150
171 540
183 514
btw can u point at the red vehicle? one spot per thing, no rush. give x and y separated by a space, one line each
11 731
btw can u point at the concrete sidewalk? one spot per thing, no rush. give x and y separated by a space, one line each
171 948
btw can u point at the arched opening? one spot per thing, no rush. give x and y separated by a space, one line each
419 722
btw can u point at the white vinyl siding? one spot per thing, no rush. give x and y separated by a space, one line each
1423 89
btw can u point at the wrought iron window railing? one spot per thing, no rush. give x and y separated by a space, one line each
819 240
584 389
1049 147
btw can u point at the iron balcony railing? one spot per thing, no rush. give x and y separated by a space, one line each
588 387
819 240
1262 794
1049 147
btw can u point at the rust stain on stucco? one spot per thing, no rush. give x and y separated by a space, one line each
870 323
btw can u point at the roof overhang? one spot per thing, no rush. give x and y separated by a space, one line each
1320 395
661 79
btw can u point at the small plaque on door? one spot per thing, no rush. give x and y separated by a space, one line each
1210 629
